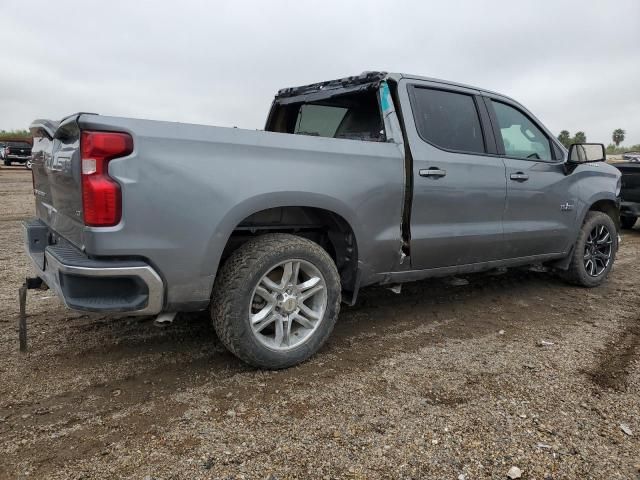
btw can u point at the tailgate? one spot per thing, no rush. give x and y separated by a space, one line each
18 149
630 181
56 176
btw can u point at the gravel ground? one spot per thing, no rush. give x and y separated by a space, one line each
441 381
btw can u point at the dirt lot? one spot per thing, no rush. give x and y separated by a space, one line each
442 381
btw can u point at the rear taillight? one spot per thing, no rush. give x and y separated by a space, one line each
101 197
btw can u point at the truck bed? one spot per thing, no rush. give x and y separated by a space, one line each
185 188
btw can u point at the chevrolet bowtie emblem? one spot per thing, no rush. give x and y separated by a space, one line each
565 207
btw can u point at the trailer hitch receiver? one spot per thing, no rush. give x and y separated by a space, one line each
29 284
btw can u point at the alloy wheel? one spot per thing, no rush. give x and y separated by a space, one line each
288 305
598 250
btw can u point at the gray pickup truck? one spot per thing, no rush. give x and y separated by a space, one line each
373 179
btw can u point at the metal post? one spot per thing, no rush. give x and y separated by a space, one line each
23 317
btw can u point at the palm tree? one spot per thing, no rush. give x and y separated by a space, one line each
565 138
580 137
618 136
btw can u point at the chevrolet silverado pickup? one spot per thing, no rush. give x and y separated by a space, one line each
378 178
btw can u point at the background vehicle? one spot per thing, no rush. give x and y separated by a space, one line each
17 152
630 193
631 157
373 179
2 147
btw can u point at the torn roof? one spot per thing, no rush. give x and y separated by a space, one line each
364 81
323 90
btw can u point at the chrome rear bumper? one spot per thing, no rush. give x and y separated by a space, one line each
96 285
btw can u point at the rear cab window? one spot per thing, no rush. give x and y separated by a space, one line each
349 116
346 109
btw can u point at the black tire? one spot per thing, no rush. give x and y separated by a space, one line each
234 287
577 272
628 222
7 163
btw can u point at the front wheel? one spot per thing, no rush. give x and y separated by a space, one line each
628 222
594 251
276 300
7 163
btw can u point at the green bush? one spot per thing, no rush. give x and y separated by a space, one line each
15 135
613 150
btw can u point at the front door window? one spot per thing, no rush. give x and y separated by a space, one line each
521 137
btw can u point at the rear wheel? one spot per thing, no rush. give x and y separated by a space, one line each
594 251
628 222
276 300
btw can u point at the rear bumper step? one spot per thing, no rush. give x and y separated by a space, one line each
93 285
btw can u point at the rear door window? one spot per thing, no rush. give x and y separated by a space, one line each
521 137
448 120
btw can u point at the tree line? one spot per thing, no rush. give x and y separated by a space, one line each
617 137
14 134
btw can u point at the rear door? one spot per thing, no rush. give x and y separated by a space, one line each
541 199
459 185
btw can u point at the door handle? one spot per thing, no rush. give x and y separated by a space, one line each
519 177
432 172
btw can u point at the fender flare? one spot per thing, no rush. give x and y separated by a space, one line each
564 262
228 223
595 198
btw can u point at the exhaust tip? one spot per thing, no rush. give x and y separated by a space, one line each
164 319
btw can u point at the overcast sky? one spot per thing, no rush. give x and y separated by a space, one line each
575 64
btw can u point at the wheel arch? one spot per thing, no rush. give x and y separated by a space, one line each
604 202
608 204
329 222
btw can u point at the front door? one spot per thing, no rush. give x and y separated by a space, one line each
459 185
541 202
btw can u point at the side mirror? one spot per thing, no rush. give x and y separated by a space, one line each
587 152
